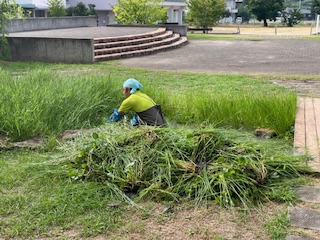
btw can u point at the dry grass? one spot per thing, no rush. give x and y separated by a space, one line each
184 223
271 30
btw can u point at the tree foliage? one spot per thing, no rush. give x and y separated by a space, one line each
315 7
140 12
81 10
56 8
265 10
205 13
8 10
292 17
244 12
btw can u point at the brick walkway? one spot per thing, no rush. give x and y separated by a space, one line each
307 130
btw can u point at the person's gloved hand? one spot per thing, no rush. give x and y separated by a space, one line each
134 121
115 116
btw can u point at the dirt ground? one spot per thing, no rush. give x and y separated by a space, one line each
189 223
271 30
202 223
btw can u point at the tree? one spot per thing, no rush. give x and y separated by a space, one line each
8 10
244 12
292 17
139 12
92 10
205 13
81 10
266 9
56 8
315 7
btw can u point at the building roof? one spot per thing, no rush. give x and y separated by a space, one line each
27 5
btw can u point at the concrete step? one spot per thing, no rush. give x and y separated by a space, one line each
180 42
136 47
304 218
309 194
129 37
292 237
160 37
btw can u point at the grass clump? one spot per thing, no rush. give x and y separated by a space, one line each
279 227
237 108
43 102
180 164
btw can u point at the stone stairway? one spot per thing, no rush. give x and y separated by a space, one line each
110 48
305 217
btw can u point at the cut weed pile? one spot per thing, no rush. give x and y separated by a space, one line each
178 164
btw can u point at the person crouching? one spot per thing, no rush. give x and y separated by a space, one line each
147 112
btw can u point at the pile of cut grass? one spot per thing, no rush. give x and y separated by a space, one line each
181 164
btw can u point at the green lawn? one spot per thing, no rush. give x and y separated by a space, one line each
77 189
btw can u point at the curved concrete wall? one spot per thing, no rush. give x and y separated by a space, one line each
176 28
56 50
34 24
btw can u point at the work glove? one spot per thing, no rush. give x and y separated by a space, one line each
115 116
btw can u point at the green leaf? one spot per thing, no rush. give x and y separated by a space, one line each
95 136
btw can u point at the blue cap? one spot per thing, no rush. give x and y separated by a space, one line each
133 84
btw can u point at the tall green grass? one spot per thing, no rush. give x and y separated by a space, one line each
45 99
232 107
43 102
225 100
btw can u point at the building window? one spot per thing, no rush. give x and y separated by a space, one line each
40 13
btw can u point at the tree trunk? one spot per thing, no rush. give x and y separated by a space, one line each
265 24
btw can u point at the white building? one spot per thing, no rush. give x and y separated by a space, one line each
106 15
38 8
232 7
176 9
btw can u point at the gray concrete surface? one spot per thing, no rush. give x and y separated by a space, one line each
290 237
51 50
309 194
73 45
83 32
35 24
277 56
176 28
304 218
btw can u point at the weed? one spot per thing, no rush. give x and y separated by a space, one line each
175 164
278 228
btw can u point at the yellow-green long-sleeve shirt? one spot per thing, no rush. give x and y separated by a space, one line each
136 102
